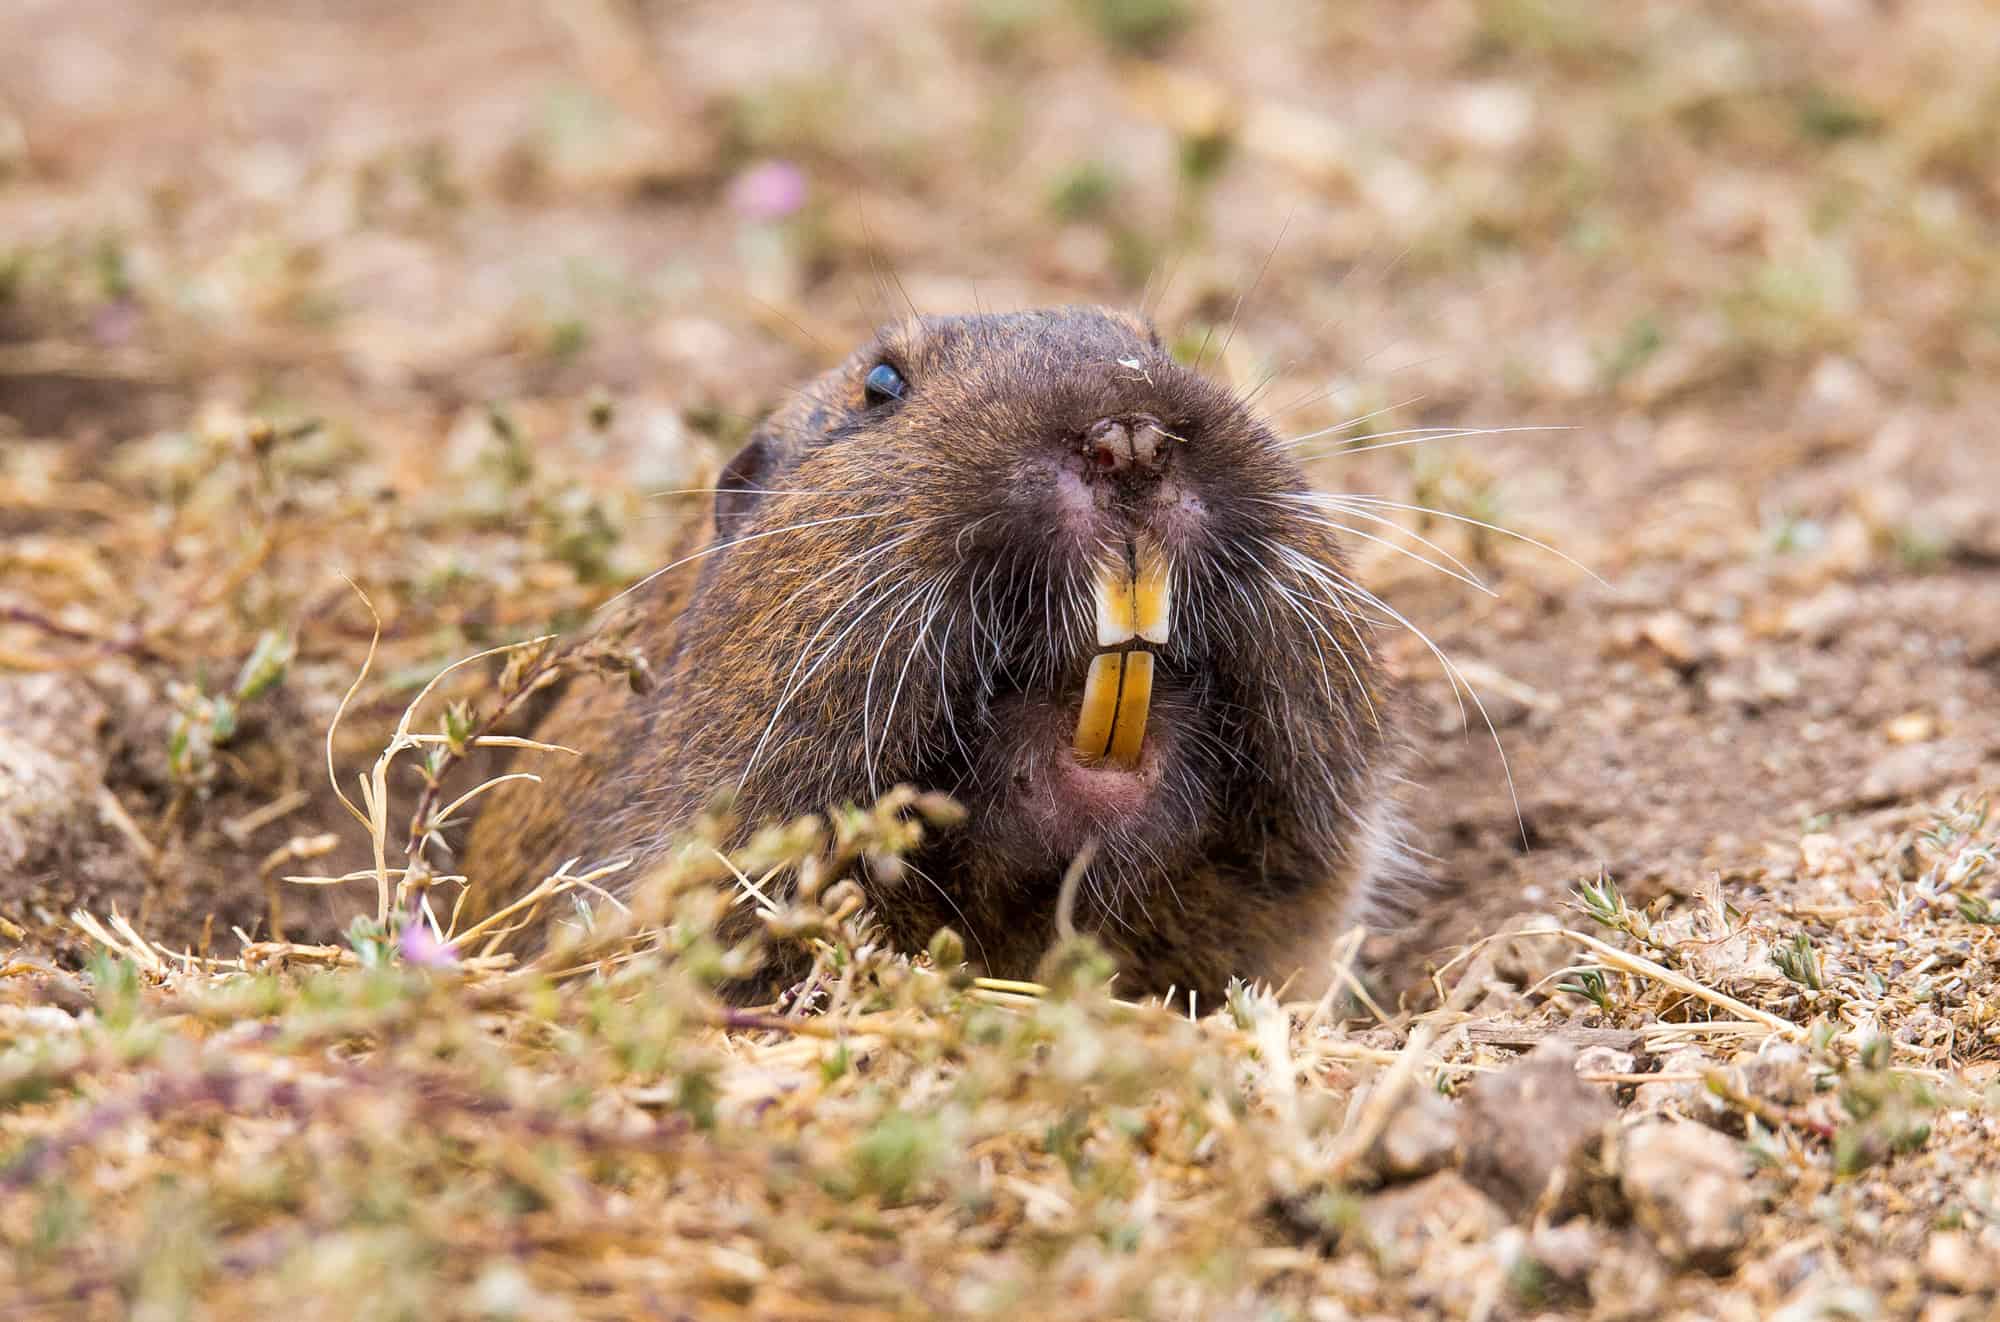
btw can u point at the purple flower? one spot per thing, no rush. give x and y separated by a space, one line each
769 190
419 945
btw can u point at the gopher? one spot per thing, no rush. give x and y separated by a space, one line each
1029 560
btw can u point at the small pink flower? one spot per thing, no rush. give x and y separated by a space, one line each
420 946
769 190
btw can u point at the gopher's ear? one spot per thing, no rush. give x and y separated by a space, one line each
741 486
1139 325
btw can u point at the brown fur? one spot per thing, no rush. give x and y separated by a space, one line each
848 661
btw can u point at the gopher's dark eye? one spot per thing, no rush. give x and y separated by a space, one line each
882 384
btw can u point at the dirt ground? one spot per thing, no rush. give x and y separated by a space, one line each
440 298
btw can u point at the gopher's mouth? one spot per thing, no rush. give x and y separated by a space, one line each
1134 594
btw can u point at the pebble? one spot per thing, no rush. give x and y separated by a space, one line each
1397 1223
1606 1060
1820 617
1779 1072
1675 1094
1688 1191
1819 853
1911 728
1911 770
1629 1282
1527 961
1568 1251
1523 1125
1839 401
50 768
1955 1261
1493 117
1775 683
1944 1309
1422 1137
1673 637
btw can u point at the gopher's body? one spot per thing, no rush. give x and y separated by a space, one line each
898 587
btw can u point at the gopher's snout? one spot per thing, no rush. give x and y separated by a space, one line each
1134 447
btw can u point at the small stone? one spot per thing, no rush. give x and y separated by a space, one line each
1522 1126
51 766
1605 1060
1819 853
1491 117
1567 1251
1839 401
1422 1137
1673 637
1676 1094
1778 1072
1954 1261
1507 700
1688 1191
1726 642
1833 1293
1629 1282
1397 1223
1913 770
1778 1274
1527 961
1939 1308
1820 617
1727 690
1911 728
1774 683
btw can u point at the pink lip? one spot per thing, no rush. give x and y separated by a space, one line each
1103 792
1071 801
1058 802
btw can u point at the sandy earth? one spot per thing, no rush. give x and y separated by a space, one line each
1763 342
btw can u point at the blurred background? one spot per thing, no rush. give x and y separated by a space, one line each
443 295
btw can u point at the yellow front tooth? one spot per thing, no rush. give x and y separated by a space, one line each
1134 697
1114 605
1153 596
1100 705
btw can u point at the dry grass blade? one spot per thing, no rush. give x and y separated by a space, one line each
1639 966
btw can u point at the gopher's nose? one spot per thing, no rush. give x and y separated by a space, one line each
1133 446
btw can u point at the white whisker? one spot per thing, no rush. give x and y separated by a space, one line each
1351 500
795 682
1468 578
933 592
1461 689
1411 436
1315 514
868 689
753 537
1356 421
